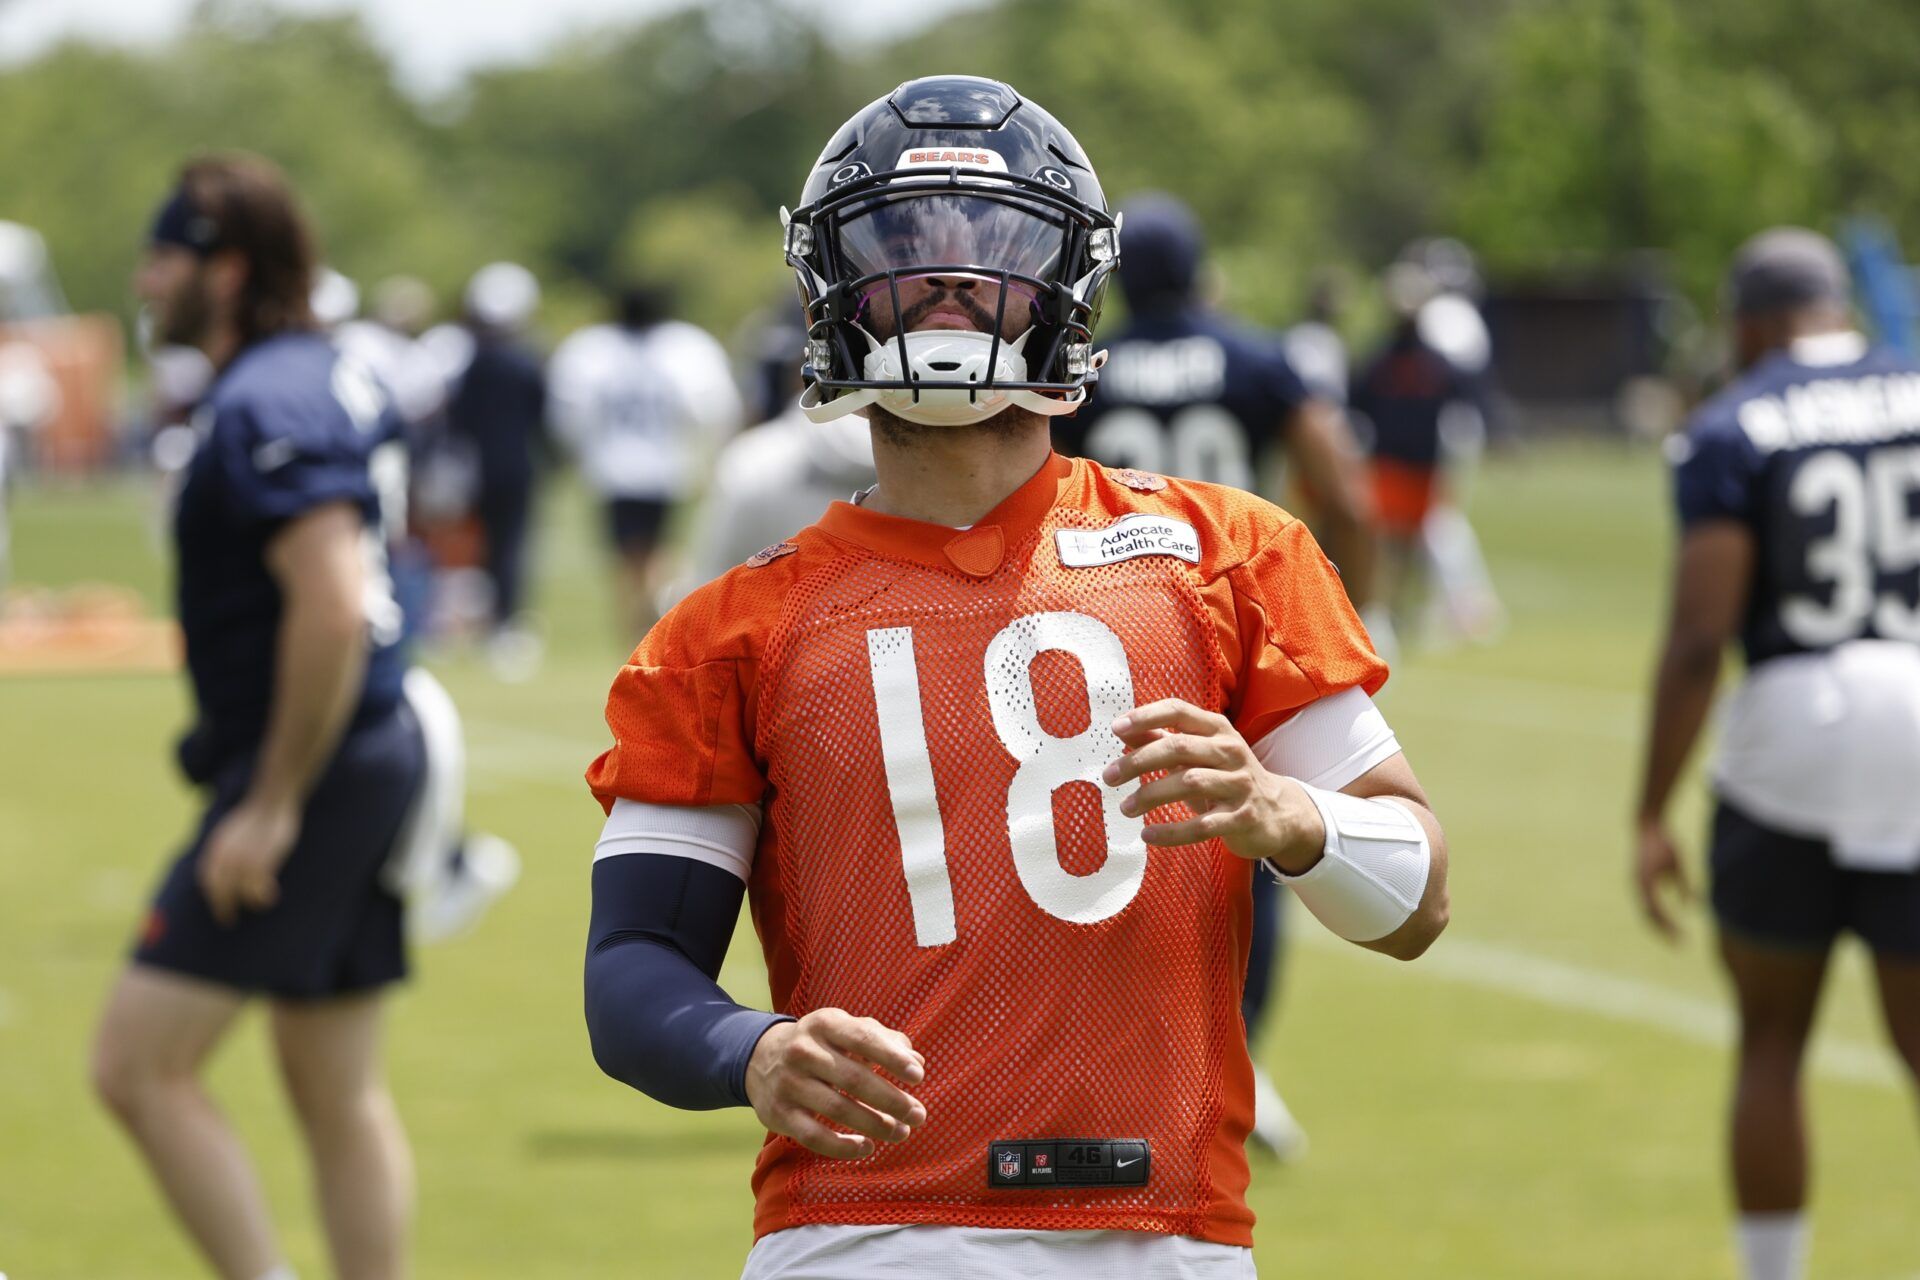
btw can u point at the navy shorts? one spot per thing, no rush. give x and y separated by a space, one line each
634 524
1785 890
336 929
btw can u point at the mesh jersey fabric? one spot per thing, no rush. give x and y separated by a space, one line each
923 714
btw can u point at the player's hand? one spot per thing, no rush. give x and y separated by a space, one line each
240 866
1656 863
825 1069
1210 768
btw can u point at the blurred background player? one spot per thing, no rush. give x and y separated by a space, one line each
389 341
387 338
777 478
1423 404
642 401
28 399
1314 346
447 875
497 410
1797 489
311 757
1189 392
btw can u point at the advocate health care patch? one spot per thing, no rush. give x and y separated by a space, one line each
1140 534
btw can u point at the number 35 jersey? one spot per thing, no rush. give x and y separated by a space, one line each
923 713
1817 450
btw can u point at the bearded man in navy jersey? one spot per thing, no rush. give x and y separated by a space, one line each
309 755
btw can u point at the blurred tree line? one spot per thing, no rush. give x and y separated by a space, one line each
1551 135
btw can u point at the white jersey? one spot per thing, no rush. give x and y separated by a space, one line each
967 1253
1827 745
1451 325
1319 355
411 372
774 481
639 407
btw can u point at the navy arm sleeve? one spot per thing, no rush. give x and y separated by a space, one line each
657 1018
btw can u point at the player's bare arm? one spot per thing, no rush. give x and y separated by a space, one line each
1203 762
1712 577
322 653
1322 449
825 1069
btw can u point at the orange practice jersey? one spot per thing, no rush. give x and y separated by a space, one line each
924 713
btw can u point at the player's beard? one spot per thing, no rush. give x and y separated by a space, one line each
1010 423
188 315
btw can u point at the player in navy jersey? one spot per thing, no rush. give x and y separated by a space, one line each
1798 489
1191 393
310 757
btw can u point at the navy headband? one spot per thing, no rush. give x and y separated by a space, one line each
179 223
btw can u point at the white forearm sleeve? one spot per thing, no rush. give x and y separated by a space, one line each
1373 871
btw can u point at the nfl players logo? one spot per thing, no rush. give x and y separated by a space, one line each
1009 1158
1042 1160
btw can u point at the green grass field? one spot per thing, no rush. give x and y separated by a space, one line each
1539 1097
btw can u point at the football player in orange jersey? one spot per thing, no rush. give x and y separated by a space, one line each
994 750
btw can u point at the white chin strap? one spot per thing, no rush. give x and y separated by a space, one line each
942 355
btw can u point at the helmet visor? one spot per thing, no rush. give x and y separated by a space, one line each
948 230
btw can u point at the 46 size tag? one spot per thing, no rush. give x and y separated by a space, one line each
1069 1162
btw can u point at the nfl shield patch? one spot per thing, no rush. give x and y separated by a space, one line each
1009 1158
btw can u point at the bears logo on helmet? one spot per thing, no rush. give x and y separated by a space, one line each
952 247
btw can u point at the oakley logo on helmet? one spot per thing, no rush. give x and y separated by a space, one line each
950 175
946 157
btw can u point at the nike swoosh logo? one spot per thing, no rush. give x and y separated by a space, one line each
274 454
1121 1164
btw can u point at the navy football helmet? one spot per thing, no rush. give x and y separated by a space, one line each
952 247
1164 250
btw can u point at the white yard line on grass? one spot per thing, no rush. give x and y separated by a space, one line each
1511 971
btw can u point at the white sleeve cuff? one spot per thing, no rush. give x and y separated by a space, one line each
722 835
1330 742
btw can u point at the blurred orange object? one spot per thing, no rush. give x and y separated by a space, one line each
1402 495
84 355
86 628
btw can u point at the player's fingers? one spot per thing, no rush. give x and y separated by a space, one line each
1175 751
1188 786
1206 826
213 885
822 1141
874 1042
1682 882
863 1083
1653 908
1169 713
831 1105
260 891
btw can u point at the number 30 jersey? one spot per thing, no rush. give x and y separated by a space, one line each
1190 394
1817 450
922 714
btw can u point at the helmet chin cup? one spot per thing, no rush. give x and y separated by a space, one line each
946 356
943 358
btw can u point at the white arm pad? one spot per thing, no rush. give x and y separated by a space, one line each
1373 871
